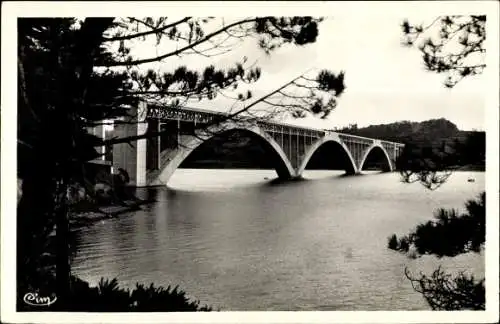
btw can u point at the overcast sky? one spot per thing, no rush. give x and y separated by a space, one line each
385 81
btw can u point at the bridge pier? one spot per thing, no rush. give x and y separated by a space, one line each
152 161
153 146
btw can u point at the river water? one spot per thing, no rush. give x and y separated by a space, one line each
236 241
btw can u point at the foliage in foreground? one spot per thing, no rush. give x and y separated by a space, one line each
444 292
78 74
449 234
453 45
107 296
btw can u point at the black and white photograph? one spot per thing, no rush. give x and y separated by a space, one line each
247 162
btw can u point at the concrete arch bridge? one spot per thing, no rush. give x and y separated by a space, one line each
152 161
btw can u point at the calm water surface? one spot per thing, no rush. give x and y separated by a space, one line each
235 241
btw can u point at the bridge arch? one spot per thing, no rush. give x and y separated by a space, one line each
376 146
350 167
188 144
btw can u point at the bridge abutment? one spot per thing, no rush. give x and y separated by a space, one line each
131 157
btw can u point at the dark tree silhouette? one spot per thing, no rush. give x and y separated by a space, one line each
453 45
449 234
74 74
445 292
107 296
457 49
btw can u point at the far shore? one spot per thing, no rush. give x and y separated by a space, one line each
94 213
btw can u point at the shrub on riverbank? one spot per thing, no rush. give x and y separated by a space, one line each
107 296
451 233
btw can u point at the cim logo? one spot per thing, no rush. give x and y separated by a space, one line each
34 299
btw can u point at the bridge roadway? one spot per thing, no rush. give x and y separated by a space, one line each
152 161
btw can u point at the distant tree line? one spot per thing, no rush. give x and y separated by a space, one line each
437 139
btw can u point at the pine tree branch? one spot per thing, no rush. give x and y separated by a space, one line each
222 119
154 30
178 51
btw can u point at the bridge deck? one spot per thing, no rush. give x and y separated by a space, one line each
202 115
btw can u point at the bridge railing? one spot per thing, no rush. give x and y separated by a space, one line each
367 138
289 129
356 139
183 114
200 115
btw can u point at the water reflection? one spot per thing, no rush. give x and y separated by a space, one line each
238 241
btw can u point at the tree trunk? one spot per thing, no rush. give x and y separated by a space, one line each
63 269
